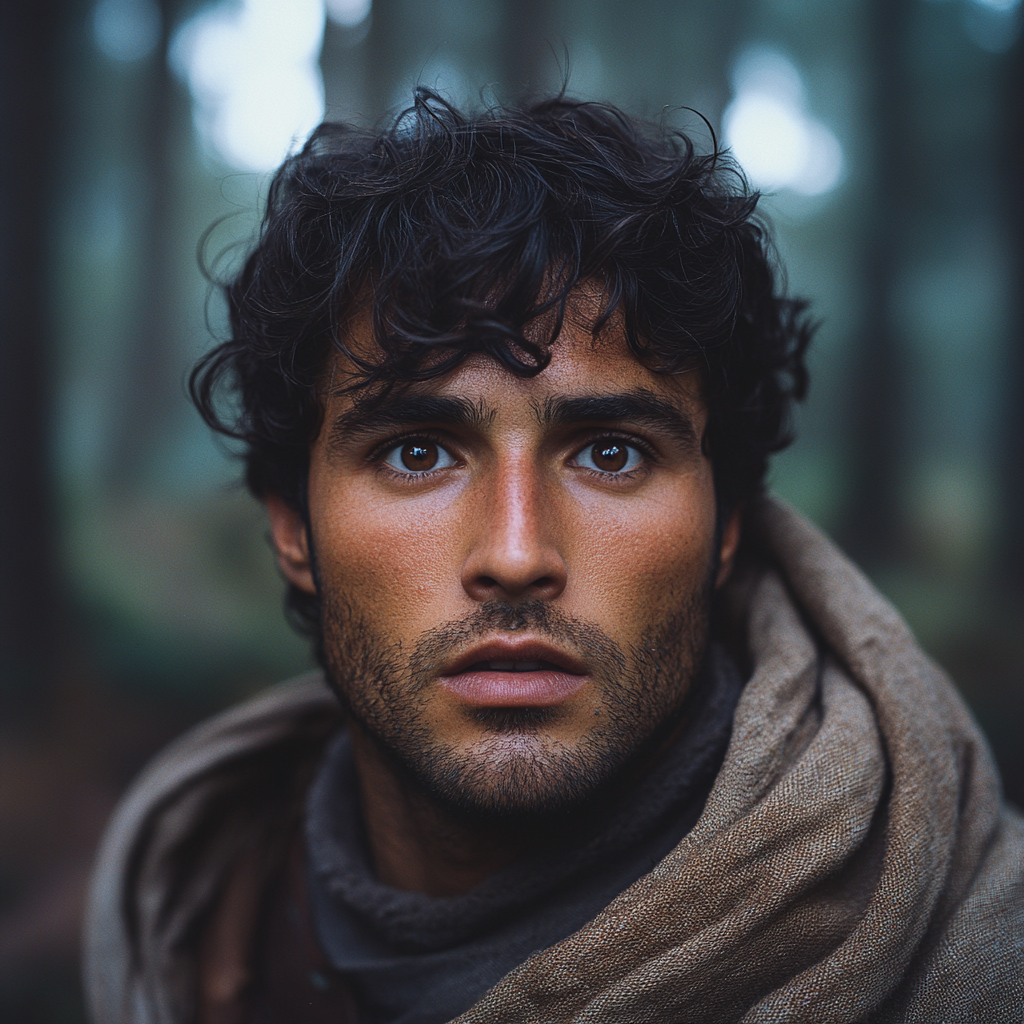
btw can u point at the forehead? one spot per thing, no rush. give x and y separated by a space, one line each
581 364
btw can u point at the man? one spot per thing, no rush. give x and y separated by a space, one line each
607 734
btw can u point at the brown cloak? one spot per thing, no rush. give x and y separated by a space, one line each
854 861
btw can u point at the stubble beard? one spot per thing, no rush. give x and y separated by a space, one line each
515 770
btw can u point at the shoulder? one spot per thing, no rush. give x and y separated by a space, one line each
210 797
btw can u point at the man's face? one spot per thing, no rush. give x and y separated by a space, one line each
515 575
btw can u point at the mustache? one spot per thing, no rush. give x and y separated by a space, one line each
587 640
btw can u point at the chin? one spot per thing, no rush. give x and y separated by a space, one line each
515 775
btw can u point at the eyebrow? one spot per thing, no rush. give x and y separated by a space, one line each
399 411
636 406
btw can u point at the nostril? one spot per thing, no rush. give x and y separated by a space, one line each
513 571
488 586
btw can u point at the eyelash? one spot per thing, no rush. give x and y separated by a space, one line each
647 452
379 453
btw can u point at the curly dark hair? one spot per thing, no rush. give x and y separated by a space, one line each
466 234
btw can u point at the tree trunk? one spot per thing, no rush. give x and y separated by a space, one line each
873 527
29 606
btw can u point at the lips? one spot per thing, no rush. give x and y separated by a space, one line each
515 673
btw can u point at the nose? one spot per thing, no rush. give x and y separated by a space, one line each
514 555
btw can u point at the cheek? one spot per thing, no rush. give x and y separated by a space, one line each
392 560
633 562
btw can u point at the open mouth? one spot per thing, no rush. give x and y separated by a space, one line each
497 665
515 674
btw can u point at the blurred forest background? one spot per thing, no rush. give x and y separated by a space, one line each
137 593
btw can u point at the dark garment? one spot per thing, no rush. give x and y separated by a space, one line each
416 959
292 982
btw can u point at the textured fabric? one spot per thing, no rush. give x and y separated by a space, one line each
221 793
415 959
853 861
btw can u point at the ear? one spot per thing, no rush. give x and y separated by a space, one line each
727 552
288 531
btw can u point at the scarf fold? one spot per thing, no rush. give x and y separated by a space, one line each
416 959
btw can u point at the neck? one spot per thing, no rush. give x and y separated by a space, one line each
418 845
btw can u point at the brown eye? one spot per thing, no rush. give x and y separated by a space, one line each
419 456
610 456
